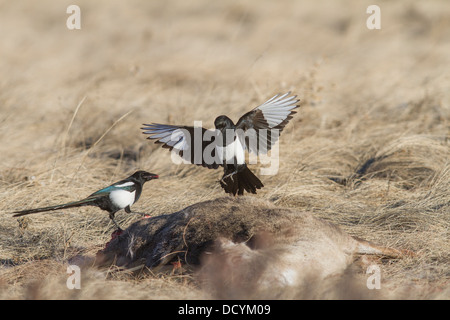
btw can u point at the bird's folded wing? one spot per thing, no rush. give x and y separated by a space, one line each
194 145
121 185
263 125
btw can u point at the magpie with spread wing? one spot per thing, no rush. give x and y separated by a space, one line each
120 195
257 131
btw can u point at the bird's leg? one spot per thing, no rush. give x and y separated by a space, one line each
139 213
117 226
228 175
111 216
128 210
144 215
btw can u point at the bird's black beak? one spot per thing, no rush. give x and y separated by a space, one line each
151 176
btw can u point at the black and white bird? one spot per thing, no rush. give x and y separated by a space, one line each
257 131
120 195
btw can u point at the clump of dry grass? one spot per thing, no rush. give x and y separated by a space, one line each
368 149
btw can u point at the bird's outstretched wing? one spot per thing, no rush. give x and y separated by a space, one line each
275 113
193 145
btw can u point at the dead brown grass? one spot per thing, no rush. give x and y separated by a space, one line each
368 150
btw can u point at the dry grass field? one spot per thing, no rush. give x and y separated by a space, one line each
368 150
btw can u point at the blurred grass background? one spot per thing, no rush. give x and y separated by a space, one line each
368 149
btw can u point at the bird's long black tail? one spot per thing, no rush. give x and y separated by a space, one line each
244 179
84 202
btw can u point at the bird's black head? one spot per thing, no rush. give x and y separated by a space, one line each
223 122
144 176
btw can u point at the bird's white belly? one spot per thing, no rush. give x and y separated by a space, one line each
227 154
122 198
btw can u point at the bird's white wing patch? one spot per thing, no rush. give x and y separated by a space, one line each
126 184
122 198
277 109
172 136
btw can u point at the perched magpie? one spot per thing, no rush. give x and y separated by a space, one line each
256 131
120 195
